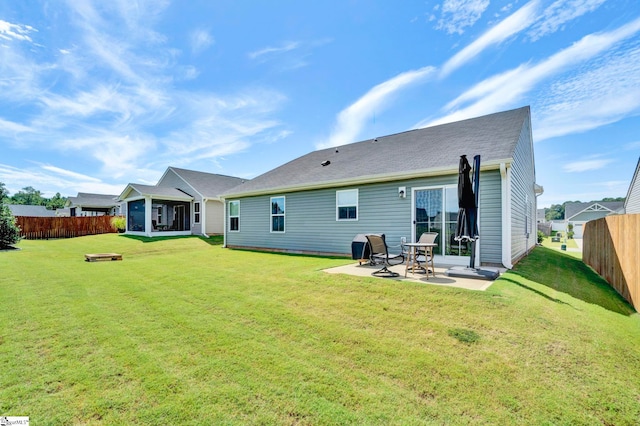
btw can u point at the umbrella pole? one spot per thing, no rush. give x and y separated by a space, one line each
476 187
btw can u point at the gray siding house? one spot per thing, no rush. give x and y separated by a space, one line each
401 185
632 202
183 202
30 211
86 204
577 214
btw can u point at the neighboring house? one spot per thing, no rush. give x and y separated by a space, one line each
85 204
632 202
31 211
183 202
64 212
541 215
577 214
401 185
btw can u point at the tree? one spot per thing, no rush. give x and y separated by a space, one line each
56 202
9 231
4 193
555 212
29 196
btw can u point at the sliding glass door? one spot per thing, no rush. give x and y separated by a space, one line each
435 209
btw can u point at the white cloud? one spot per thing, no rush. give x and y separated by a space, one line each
586 165
285 47
69 173
632 146
459 14
499 92
604 94
50 179
351 120
11 127
9 31
114 103
200 40
511 25
559 13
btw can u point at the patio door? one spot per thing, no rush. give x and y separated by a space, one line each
178 218
435 209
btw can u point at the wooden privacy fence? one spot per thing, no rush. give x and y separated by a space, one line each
43 228
611 246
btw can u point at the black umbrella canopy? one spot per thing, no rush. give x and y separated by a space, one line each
467 227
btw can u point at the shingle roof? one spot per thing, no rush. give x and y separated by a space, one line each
93 200
422 151
572 209
32 211
210 185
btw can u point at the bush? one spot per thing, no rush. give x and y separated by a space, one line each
119 223
9 231
540 237
570 235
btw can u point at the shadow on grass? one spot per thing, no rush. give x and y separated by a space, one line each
569 275
539 293
215 240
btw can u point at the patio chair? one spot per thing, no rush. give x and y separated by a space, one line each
426 237
426 256
380 254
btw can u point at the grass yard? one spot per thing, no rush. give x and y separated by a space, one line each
183 331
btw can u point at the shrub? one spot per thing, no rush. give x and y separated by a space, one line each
119 223
540 237
570 234
9 231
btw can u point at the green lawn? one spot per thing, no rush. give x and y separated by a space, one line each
183 331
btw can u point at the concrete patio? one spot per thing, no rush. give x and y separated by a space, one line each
440 278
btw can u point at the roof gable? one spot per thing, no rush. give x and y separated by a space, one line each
208 185
434 149
572 210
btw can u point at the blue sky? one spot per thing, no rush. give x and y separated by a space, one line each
94 95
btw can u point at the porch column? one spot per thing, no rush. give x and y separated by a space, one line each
147 216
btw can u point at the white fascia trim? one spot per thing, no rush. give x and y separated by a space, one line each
505 175
364 180
127 190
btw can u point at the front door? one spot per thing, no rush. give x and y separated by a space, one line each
435 209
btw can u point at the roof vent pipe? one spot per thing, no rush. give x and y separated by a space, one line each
325 163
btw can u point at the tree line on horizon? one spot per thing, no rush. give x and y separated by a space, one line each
31 197
556 211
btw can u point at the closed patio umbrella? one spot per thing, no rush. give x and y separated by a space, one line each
467 226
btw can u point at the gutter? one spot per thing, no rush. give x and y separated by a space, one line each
364 180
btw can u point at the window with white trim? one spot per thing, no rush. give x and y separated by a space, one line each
196 212
347 204
234 216
277 214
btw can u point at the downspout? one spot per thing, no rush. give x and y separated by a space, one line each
505 177
224 222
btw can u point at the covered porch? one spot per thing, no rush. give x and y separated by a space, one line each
154 212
